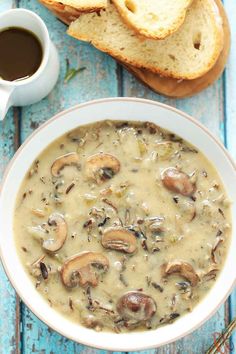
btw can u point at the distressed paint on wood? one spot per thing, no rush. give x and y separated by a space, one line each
230 111
9 309
197 106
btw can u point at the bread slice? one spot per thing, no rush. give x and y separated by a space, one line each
153 19
187 54
69 10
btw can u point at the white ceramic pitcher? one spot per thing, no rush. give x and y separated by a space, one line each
37 86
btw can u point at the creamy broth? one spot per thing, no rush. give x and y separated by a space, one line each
122 226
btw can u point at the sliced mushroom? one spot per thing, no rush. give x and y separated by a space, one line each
62 161
136 306
182 268
102 167
178 182
119 239
81 269
54 244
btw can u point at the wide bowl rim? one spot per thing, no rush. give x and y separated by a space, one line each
112 347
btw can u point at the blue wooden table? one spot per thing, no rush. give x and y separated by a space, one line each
20 330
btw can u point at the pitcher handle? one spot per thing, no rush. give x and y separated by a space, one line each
5 100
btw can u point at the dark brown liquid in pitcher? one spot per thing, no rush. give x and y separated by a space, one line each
20 54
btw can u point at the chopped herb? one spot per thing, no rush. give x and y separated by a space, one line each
71 73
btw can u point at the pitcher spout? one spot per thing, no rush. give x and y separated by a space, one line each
5 100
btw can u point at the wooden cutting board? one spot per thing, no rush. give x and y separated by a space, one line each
171 87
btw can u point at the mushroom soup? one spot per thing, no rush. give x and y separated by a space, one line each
122 226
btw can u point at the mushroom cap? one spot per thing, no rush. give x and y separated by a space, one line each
80 269
119 239
136 306
54 244
101 167
61 162
182 268
178 182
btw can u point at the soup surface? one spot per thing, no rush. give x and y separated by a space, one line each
122 226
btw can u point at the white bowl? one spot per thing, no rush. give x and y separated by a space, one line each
118 109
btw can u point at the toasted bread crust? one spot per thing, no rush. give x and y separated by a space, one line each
216 22
165 32
68 13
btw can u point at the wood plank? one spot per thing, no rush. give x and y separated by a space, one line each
97 81
207 107
230 109
10 303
